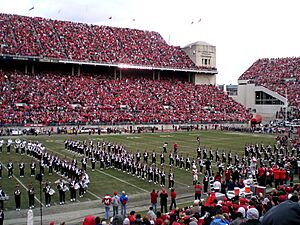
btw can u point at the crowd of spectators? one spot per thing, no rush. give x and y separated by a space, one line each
280 207
55 98
45 38
281 75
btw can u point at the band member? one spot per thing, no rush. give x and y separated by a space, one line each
61 191
165 147
22 168
17 194
2 198
73 187
93 161
187 163
177 160
50 166
1 217
195 174
153 157
47 190
81 188
156 175
171 179
8 146
10 168
22 146
32 168
42 166
171 157
83 163
162 158
1 144
1 168
31 196
206 181
162 178
198 140
146 155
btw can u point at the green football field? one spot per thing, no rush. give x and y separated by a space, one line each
110 180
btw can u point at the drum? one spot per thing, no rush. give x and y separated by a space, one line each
51 192
247 189
65 189
236 191
76 187
85 186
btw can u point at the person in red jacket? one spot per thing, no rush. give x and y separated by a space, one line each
198 191
173 199
107 202
276 173
153 198
282 175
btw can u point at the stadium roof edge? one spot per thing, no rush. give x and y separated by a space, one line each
122 66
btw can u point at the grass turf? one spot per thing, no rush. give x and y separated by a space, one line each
110 180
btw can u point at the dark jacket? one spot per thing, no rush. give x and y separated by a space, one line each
286 213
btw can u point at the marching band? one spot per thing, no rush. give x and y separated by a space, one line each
73 178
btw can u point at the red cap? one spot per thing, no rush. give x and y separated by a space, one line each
229 204
235 206
225 209
115 193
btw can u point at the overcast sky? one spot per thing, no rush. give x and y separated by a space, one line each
242 30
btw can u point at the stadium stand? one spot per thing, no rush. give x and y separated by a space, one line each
53 98
281 75
45 38
46 97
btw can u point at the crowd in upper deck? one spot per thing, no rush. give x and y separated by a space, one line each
45 38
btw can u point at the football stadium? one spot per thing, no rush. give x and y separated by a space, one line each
111 125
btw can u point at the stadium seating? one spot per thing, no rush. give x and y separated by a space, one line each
45 38
54 98
281 75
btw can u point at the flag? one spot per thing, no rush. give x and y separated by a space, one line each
31 8
192 22
133 20
199 20
110 17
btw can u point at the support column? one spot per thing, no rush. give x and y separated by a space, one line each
120 74
158 75
26 68
78 70
73 70
32 69
153 75
115 73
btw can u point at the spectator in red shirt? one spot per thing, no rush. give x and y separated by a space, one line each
153 197
173 199
198 191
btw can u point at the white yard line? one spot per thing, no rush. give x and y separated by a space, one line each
20 182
